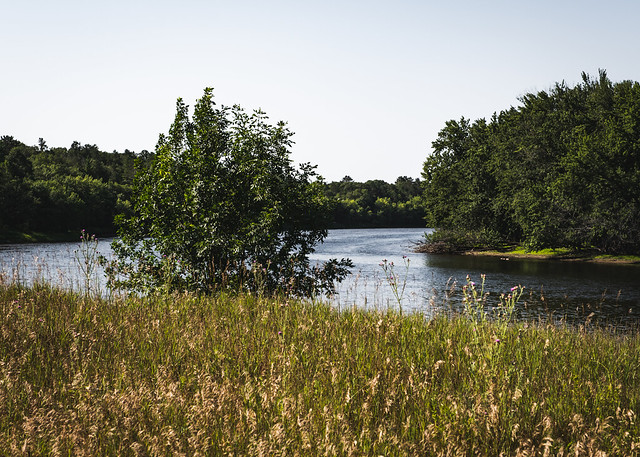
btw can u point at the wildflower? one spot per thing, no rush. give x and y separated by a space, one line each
514 288
280 333
497 340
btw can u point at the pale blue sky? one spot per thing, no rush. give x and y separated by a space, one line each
365 85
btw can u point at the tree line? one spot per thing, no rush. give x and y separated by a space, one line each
61 190
58 190
376 203
560 170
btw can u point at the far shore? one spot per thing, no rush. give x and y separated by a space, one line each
13 237
574 257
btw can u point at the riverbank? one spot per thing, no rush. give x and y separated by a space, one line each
183 374
519 252
557 254
16 237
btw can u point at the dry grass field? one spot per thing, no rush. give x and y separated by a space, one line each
243 375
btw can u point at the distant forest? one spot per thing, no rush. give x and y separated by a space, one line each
60 191
376 203
561 170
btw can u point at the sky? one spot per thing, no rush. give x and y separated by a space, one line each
365 85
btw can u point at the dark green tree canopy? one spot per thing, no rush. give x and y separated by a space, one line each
376 203
221 205
60 191
561 170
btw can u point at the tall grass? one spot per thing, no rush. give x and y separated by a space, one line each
242 375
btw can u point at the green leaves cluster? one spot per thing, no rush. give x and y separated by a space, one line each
221 206
561 170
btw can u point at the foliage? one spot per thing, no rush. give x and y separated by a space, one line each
456 241
243 375
62 190
561 170
219 203
57 190
376 203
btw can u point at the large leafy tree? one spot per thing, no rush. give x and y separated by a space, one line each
221 205
561 170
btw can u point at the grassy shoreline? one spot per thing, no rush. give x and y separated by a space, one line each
557 254
446 246
191 375
14 237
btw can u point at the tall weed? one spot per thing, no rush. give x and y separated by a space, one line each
182 374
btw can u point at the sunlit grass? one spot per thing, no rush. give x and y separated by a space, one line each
551 252
189 375
625 258
560 253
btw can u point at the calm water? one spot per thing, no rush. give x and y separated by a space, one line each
560 289
55 263
572 290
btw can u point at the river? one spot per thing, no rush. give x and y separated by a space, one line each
555 289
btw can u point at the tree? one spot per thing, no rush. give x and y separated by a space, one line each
221 206
16 200
443 175
561 170
7 143
18 164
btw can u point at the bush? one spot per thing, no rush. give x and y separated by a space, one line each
221 206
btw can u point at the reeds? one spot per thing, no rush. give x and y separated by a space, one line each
242 375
